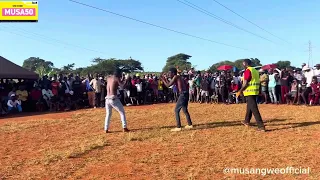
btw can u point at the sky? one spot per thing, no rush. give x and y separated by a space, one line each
66 31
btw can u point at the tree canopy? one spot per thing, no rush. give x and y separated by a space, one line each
38 65
237 64
101 66
180 60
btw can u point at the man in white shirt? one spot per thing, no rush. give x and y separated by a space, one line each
317 72
308 73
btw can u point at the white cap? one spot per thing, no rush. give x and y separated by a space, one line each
305 68
12 95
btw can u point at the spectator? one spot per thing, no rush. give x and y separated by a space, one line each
264 80
55 85
204 88
13 91
302 91
89 90
284 85
36 98
47 95
273 77
293 94
314 95
96 85
22 95
14 104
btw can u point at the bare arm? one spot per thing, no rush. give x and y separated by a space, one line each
168 84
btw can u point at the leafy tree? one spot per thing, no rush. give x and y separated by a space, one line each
38 65
97 60
180 60
67 69
283 64
237 64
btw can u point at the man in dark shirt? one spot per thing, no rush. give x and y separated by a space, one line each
183 99
205 90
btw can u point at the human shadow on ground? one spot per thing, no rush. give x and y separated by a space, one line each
208 125
294 125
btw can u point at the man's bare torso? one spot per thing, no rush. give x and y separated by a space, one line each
112 85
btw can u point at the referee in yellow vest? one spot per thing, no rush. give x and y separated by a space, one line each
250 89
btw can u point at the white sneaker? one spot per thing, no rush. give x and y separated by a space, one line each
188 127
176 129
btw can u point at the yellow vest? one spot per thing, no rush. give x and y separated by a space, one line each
254 85
160 88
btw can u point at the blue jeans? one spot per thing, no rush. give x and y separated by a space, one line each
272 94
13 108
182 103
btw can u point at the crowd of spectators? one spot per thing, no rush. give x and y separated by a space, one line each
69 92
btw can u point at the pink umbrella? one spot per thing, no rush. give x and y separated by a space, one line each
225 68
269 66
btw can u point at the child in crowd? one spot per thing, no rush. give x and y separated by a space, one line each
302 91
292 95
14 104
314 95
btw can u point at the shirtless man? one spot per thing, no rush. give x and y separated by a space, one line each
183 99
112 100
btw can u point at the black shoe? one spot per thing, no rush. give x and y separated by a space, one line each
107 131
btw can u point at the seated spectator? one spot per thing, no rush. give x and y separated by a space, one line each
314 95
22 96
14 105
292 95
13 91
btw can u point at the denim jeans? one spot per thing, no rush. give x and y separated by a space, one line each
273 95
114 102
182 103
19 108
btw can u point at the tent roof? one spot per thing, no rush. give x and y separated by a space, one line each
9 70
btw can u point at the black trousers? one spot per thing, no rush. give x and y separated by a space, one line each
97 99
252 108
182 103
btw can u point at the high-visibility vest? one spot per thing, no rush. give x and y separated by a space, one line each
254 84
160 88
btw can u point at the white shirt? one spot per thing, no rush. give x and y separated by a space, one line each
13 103
47 94
309 75
139 87
317 73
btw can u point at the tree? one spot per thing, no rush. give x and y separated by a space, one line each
180 60
97 60
67 69
283 64
237 64
38 65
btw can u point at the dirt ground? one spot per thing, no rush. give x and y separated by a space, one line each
73 145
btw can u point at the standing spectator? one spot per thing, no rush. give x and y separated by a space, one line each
264 79
47 95
22 95
284 85
89 90
204 90
314 95
273 78
198 80
14 104
317 72
223 87
96 85
55 85
36 97
191 88
308 74
302 91
293 94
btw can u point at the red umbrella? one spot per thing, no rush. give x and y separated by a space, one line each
269 66
225 68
